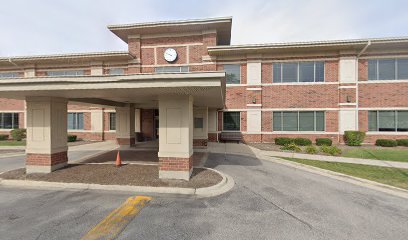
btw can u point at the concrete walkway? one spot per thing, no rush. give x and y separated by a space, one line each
243 149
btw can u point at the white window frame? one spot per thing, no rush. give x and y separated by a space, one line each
298 121
298 72
231 130
240 73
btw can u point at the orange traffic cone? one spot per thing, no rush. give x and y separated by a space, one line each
118 160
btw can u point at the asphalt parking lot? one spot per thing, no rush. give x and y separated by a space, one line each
269 201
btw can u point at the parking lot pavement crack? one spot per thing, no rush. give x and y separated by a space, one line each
280 208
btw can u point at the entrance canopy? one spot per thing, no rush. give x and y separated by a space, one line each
206 88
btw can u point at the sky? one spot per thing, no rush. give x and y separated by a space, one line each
33 27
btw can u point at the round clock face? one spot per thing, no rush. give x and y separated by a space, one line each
170 55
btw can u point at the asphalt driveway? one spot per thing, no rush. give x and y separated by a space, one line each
269 201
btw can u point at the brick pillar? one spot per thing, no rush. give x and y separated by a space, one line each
46 134
176 137
125 125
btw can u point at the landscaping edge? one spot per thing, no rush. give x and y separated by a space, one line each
226 184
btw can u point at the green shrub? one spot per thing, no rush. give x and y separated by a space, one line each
18 134
291 147
311 149
354 138
324 142
331 150
3 137
386 143
282 141
72 138
302 141
402 142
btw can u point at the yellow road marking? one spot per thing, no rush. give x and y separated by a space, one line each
118 219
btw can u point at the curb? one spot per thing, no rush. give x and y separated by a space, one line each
225 185
399 192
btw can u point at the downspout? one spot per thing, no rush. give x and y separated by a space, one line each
357 82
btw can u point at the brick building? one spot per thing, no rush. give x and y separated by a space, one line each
306 89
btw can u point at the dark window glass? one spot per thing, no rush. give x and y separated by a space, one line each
290 121
233 73
372 70
319 72
320 124
277 121
112 121
372 121
171 69
386 121
306 72
198 123
66 73
9 75
298 121
402 124
75 121
386 69
289 72
402 69
306 121
277 76
9 120
116 71
231 121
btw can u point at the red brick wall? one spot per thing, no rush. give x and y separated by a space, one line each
363 70
46 159
267 73
11 104
235 97
175 164
331 71
383 95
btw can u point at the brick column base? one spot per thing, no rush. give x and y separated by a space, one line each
200 143
175 168
126 141
45 163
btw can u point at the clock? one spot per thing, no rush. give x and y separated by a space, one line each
170 55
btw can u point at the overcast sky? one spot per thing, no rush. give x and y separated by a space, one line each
30 27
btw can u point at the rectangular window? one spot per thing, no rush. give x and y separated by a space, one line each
9 120
171 69
233 73
75 121
112 121
298 72
65 73
116 71
388 121
198 123
298 121
8 75
388 69
232 121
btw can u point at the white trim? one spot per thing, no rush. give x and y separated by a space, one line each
177 65
214 132
231 62
80 111
384 108
162 35
388 133
384 57
172 45
254 105
283 84
382 81
281 109
81 131
347 104
344 87
293 133
12 111
254 89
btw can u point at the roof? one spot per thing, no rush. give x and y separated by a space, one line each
222 25
352 44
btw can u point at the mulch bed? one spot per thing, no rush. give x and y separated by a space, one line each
108 174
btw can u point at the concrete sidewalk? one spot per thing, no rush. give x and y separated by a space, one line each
243 149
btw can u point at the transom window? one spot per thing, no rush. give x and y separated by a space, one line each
388 69
232 121
8 75
298 121
9 120
171 69
232 73
112 121
116 71
298 72
388 121
75 121
198 122
65 73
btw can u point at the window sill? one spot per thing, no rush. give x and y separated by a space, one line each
387 133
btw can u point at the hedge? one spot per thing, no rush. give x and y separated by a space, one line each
72 138
291 147
354 138
18 134
402 142
324 142
311 149
386 143
282 141
3 137
302 141
331 150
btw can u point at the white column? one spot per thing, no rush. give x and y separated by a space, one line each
125 125
348 70
47 146
176 137
97 122
200 122
254 121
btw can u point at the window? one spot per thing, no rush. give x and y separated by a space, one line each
198 123
232 121
9 120
8 75
298 72
75 121
298 121
112 121
233 73
171 69
116 71
388 121
388 69
65 73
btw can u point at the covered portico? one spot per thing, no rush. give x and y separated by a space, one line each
177 96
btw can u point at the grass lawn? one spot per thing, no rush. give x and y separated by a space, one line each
391 154
12 143
396 177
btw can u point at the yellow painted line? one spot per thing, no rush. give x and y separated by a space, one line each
118 219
